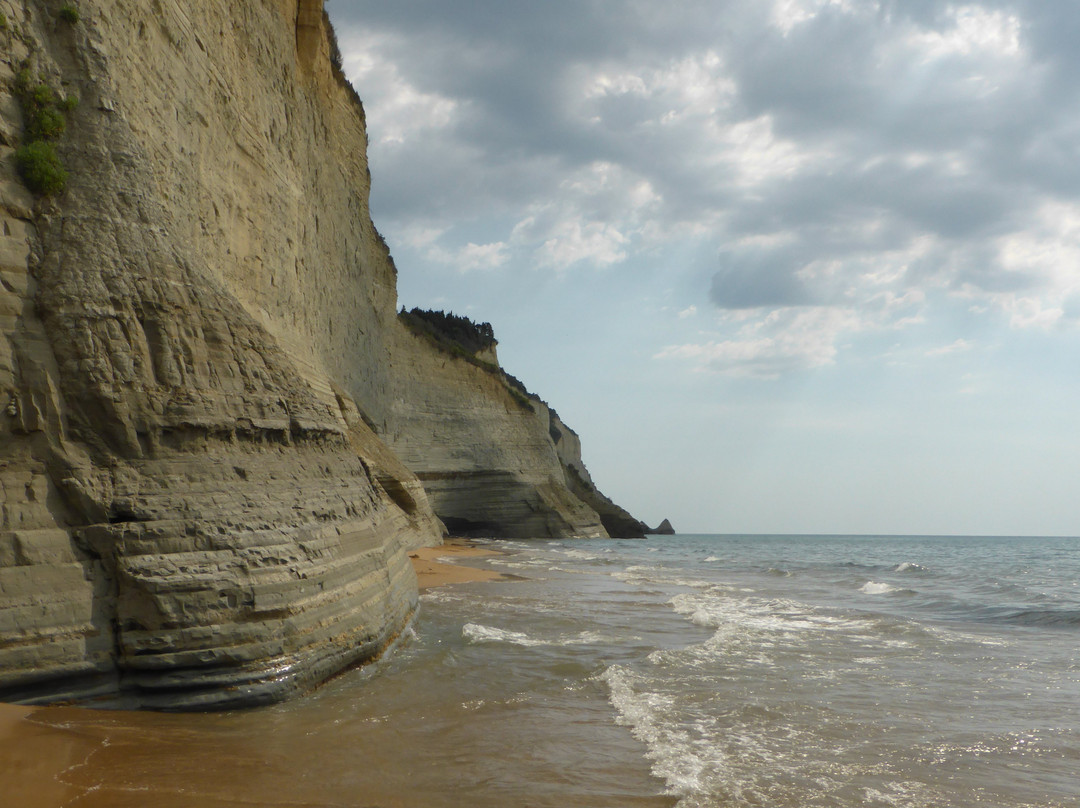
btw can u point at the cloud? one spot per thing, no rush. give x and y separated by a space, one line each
958 346
404 109
482 256
836 166
784 341
572 242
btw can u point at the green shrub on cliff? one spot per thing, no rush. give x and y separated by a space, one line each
461 337
40 167
69 13
44 122
3 22
43 115
461 331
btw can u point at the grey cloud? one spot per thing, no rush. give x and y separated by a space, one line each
884 130
757 279
988 277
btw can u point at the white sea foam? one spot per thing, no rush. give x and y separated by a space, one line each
444 595
646 575
901 795
708 760
717 609
590 638
475 632
670 746
909 566
478 633
877 588
533 563
713 558
635 570
952 635
580 555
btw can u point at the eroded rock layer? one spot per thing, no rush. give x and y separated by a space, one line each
216 438
482 449
193 515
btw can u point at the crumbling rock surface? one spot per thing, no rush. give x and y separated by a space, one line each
189 519
216 439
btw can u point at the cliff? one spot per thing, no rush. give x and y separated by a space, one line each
481 448
616 520
199 349
494 459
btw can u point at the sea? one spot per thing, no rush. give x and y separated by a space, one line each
689 670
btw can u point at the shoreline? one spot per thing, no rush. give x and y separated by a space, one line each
39 754
432 572
47 746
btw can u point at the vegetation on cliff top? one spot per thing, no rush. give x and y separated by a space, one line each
452 328
461 337
337 65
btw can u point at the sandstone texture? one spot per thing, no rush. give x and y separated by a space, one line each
217 441
194 514
482 449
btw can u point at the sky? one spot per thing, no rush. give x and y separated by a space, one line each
787 266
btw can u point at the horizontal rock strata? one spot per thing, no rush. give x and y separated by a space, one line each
217 440
482 449
193 514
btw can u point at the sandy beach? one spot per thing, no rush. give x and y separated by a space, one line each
55 756
431 571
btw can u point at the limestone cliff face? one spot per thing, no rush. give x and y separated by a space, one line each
484 454
193 512
198 347
616 520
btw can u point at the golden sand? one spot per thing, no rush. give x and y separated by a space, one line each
430 571
69 756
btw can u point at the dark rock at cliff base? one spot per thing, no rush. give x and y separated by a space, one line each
663 529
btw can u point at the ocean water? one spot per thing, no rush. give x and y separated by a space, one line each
817 671
684 671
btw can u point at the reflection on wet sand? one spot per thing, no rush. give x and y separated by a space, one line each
67 756
442 722
35 757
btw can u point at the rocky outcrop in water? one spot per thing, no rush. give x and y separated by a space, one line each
216 438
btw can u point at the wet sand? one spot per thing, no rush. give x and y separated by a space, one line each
70 757
61 757
430 571
34 757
